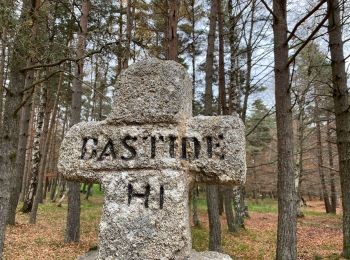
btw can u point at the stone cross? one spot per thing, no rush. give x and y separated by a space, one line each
146 155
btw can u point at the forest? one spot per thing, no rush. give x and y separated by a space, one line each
282 66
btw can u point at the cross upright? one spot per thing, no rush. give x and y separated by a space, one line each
147 154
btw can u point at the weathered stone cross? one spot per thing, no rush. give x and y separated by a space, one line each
146 154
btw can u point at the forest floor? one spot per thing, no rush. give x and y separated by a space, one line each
319 234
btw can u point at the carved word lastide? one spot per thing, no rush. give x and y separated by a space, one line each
186 145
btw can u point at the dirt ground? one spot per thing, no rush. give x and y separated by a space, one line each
319 234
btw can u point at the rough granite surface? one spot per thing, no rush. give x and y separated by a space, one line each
207 255
145 228
152 91
146 154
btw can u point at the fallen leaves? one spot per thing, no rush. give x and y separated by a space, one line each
319 234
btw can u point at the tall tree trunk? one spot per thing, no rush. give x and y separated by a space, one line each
28 155
193 52
36 157
234 90
229 211
8 146
208 95
300 173
331 166
120 48
236 220
239 211
212 190
248 83
195 217
226 192
287 217
342 114
45 149
73 216
247 93
51 167
10 129
172 29
129 24
17 179
89 191
222 91
2 71
320 157
195 190
214 218
36 165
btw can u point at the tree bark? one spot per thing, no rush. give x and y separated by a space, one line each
342 114
10 130
17 179
208 95
287 217
172 29
236 219
300 166
212 190
320 157
73 217
129 23
88 191
36 157
21 153
195 217
28 155
194 54
247 91
2 72
214 218
222 90
229 210
239 211
8 146
331 166
234 90
53 165
45 142
44 146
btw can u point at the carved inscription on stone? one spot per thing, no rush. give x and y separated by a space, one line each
129 148
145 195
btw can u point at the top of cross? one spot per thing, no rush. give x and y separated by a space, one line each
152 91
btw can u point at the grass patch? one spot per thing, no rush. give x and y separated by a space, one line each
263 206
97 190
202 204
312 213
200 238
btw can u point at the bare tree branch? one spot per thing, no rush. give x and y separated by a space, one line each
304 19
325 18
57 63
268 8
